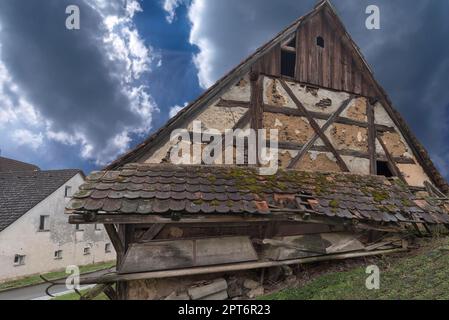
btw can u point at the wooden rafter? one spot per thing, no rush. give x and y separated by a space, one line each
312 141
315 126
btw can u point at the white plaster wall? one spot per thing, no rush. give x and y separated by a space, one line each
23 237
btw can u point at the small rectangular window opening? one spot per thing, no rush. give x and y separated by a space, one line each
86 251
383 169
58 254
68 192
288 63
107 248
19 260
43 223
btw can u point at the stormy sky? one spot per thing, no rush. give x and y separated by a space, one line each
79 98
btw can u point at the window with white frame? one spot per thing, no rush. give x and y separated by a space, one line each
44 223
19 260
78 227
97 227
68 191
58 254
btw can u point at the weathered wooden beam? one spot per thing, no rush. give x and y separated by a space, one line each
152 232
371 138
391 162
233 104
110 293
115 239
315 127
286 145
229 268
95 292
314 139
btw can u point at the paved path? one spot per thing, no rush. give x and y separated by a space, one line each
37 292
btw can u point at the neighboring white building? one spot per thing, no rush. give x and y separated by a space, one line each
35 237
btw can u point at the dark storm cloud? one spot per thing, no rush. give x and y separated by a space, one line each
66 74
409 55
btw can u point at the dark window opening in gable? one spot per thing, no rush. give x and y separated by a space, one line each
320 42
383 169
288 63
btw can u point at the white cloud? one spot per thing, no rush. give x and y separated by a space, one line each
129 58
27 138
170 7
174 110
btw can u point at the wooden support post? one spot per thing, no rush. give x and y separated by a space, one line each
315 127
256 106
371 138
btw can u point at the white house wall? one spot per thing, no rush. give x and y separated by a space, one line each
24 238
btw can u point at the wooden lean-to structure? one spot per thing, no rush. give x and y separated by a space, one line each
354 181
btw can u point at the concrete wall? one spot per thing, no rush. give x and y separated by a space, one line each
24 238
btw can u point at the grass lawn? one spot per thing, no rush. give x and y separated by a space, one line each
75 296
420 274
32 280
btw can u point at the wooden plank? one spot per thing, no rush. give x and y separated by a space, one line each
302 246
324 116
115 239
371 138
110 293
229 268
178 254
315 127
314 139
152 232
206 290
233 104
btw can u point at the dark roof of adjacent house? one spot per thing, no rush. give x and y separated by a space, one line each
235 74
9 165
165 189
22 191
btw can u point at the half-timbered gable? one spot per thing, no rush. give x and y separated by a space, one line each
320 93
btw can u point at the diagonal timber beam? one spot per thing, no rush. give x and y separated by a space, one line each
312 141
115 239
315 126
391 162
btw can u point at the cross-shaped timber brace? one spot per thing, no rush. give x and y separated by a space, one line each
319 132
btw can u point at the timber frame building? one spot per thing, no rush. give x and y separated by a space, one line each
354 181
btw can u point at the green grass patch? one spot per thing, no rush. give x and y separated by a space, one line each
75 296
33 280
422 275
